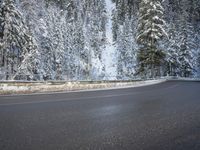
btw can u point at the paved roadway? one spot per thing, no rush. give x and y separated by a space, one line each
164 116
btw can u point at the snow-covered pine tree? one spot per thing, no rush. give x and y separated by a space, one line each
86 52
78 46
150 32
47 57
60 48
94 32
126 48
196 57
198 64
185 54
172 47
30 67
70 56
56 24
121 51
186 43
15 38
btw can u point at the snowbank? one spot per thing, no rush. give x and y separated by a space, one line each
44 87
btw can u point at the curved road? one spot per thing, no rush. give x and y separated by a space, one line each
164 116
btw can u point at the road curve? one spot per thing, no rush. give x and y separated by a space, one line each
164 116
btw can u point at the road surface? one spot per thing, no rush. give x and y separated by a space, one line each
164 116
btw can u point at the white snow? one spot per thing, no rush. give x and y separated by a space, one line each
5 87
109 55
13 87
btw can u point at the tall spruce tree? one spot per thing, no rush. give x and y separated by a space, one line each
30 67
173 48
15 38
150 32
126 48
186 43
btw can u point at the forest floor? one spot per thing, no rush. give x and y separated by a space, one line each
13 88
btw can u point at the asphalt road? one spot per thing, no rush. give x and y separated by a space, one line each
164 116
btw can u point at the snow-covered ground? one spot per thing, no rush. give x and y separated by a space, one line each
48 87
109 55
20 87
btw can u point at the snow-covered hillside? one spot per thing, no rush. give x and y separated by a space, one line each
98 40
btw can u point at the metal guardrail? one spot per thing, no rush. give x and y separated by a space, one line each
183 79
65 82
106 79
35 78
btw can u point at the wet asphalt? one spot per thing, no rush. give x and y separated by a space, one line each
164 116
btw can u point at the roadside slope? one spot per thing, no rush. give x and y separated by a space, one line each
12 88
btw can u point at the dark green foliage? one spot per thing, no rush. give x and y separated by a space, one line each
150 62
151 30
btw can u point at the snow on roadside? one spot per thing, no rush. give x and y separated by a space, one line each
67 87
6 87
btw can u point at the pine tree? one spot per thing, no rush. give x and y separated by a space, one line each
14 38
126 48
30 67
150 32
94 32
198 64
187 44
172 48
197 56
185 52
